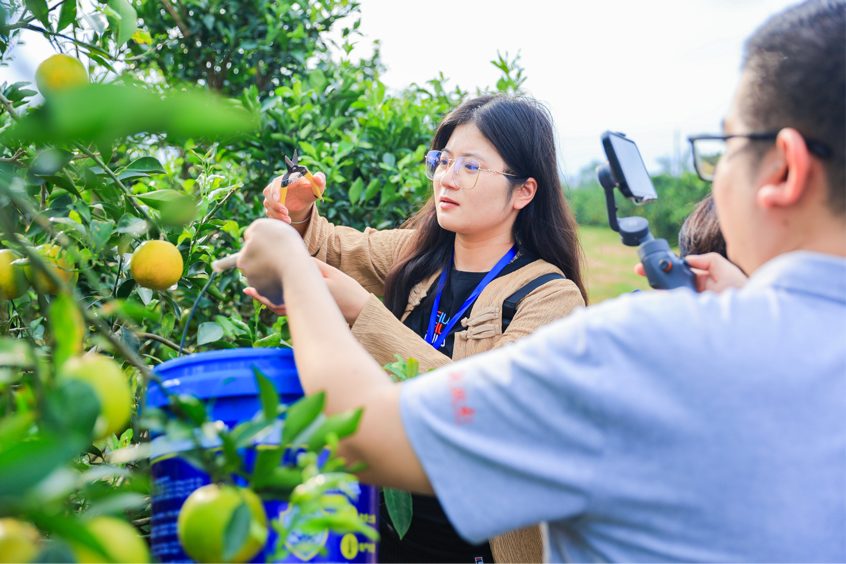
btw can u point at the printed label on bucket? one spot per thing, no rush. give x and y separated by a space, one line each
174 479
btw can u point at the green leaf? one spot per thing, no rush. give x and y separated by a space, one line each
132 225
62 182
100 232
14 427
125 289
193 408
341 424
372 189
388 194
40 10
237 530
267 460
50 161
271 341
73 406
67 16
25 464
412 368
67 327
209 332
168 322
125 21
317 79
102 112
356 189
389 159
399 507
161 199
146 164
267 394
300 415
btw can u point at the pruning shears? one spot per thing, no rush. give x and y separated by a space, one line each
295 172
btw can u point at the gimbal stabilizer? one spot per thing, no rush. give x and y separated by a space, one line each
664 269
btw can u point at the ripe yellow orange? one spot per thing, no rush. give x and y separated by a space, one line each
111 387
13 282
118 538
205 515
52 254
18 541
156 265
58 73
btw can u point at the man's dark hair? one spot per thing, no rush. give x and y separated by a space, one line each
700 232
796 64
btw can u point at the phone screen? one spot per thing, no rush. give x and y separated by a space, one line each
631 163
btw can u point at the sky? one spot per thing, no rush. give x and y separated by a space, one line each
657 70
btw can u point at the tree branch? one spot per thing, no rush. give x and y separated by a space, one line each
161 340
126 191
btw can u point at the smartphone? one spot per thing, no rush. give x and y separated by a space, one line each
628 168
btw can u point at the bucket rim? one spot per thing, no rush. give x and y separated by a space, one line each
241 352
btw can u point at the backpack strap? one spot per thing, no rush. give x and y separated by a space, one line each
509 306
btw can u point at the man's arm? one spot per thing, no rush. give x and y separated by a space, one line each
329 358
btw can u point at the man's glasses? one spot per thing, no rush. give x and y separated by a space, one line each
465 171
708 149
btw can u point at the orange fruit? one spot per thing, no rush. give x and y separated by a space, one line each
18 541
156 265
117 537
58 73
13 282
51 254
205 515
110 385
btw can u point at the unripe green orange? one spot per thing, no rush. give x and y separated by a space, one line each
205 515
18 541
58 73
13 282
52 255
156 265
111 387
117 537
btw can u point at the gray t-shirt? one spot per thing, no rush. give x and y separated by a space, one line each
663 426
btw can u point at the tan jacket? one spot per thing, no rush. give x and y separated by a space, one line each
367 257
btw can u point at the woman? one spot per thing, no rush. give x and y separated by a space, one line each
497 222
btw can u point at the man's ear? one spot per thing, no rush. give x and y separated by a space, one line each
785 176
525 194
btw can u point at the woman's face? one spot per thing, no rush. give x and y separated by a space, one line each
488 206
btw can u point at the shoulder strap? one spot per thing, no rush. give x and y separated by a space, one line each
509 306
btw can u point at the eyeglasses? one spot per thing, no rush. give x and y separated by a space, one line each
465 172
708 149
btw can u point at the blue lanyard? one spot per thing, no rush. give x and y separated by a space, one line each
433 318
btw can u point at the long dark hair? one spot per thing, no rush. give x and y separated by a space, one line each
521 130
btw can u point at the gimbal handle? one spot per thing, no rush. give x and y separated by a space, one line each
664 269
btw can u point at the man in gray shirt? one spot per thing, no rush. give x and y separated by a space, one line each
664 426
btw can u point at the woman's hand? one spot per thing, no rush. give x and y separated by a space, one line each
713 272
349 295
298 201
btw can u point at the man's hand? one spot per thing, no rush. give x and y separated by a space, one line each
713 272
270 248
298 201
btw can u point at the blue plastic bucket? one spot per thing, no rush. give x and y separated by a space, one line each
224 381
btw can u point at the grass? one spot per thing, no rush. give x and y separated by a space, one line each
609 263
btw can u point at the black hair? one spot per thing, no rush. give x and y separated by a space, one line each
700 232
520 129
796 64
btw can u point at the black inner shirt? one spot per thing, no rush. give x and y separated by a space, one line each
431 533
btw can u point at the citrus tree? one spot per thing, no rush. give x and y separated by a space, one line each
110 195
